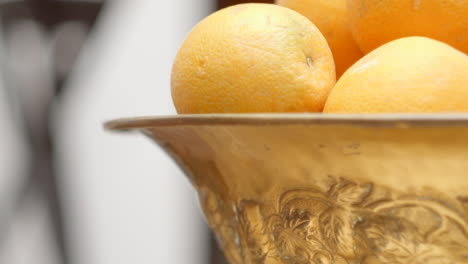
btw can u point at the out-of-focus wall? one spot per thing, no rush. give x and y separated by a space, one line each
127 201
28 231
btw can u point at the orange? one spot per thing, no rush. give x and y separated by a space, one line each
376 22
412 74
253 58
330 16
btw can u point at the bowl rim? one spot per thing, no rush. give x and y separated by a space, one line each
259 119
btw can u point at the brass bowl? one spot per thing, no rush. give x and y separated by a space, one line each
313 188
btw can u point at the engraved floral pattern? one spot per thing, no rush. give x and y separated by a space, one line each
347 223
220 219
316 227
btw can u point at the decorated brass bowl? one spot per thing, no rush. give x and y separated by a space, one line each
314 188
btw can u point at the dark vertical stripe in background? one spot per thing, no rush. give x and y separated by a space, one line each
225 3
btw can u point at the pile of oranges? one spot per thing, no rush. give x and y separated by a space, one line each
333 56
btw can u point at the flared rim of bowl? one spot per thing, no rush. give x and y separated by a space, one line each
372 120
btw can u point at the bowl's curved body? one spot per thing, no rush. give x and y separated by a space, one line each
326 188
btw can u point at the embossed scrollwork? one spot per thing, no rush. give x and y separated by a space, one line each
345 223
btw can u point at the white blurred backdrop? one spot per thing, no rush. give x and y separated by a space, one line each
127 201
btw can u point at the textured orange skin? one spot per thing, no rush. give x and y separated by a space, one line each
376 22
413 74
331 18
253 58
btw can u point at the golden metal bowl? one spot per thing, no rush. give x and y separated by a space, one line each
315 188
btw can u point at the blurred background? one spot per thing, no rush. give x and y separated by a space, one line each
70 192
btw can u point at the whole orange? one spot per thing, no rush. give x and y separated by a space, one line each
253 58
413 74
331 18
376 22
